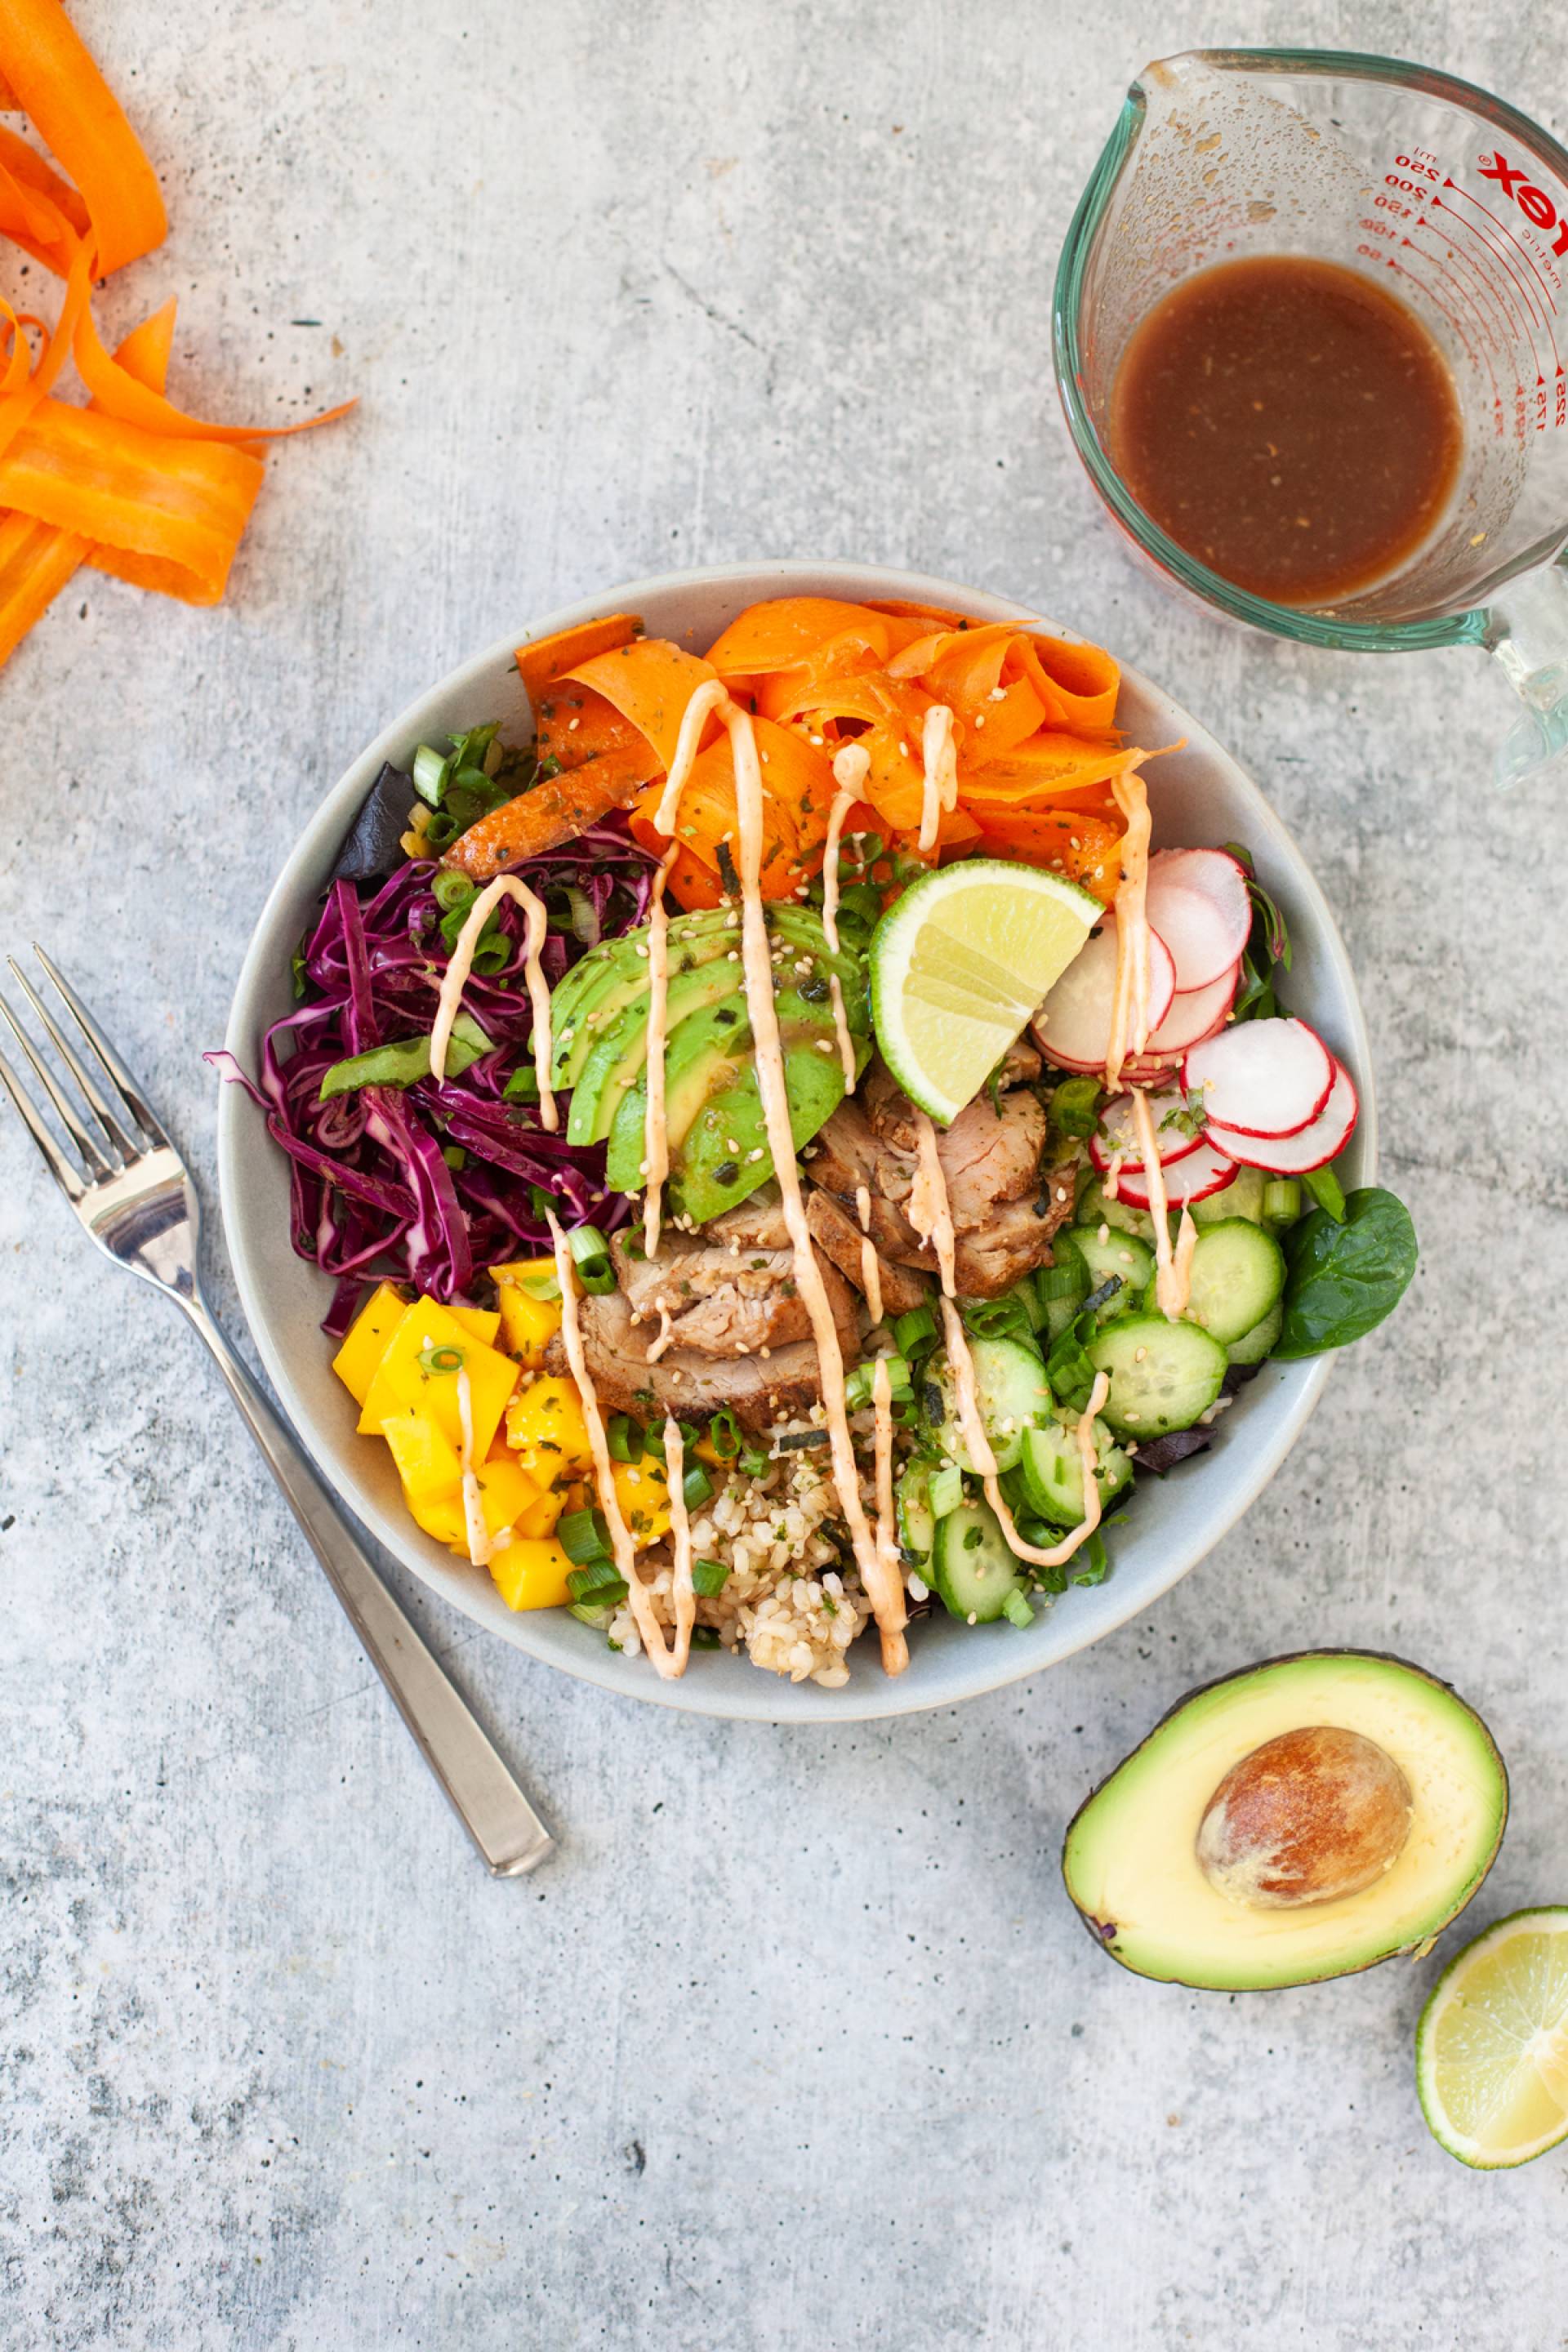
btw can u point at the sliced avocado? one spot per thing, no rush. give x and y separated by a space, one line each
1132 1859
617 1060
706 1055
579 1020
724 1156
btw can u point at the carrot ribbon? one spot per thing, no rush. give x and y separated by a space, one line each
53 78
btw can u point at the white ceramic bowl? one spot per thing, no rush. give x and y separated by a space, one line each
1198 795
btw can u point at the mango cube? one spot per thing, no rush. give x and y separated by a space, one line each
642 1490
483 1321
544 1427
365 1342
506 1495
543 1517
401 1383
427 1462
527 1323
531 1573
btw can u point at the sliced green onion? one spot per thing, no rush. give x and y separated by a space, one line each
750 1464
724 1435
1016 1610
584 1537
596 1613
597 1584
653 1437
708 1578
542 1203
858 1385
696 1486
431 769
944 1492
443 830
915 1329
1074 1107
1063 1279
521 1087
1326 1190
440 1361
1282 1201
624 1438
705 1637
591 1253
455 1156
452 889
542 1283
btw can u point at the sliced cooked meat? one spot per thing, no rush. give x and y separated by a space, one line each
839 1236
729 1289
990 1157
1005 1210
758 1390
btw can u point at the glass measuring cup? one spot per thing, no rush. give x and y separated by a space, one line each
1450 200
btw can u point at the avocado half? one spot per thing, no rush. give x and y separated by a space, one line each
1130 1856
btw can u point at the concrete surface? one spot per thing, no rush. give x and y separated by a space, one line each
796 2044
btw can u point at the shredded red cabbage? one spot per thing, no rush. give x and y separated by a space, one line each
372 1192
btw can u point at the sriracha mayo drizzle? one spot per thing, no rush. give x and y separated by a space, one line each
621 1545
656 1135
682 1590
882 1444
880 1577
941 757
932 1216
870 1264
1174 1273
482 1546
460 963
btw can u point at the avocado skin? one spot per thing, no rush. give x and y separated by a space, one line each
1102 1932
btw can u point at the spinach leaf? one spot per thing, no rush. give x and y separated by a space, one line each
1344 1278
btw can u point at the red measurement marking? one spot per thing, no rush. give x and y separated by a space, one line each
1483 355
1487 286
1488 246
1542 205
1508 241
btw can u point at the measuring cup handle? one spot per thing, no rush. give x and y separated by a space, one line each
1527 633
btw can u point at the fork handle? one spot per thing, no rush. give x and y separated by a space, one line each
481 1789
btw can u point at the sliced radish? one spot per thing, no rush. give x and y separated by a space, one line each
1261 1077
1073 1025
1117 1135
1150 1069
1312 1146
1196 1013
1193 1178
1197 902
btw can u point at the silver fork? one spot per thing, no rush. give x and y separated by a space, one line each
133 1195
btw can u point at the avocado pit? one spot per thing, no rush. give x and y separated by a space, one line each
1311 1816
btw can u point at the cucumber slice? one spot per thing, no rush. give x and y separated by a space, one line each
1254 1345
1163 1375
1242 1197
1238 1274
972 1566
917 1521
1125 1255
1051 1475
1095 1208
1013 1393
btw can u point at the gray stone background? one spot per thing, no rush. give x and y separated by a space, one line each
797 2044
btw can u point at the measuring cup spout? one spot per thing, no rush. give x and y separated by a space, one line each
1527 633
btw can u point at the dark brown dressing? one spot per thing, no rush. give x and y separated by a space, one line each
1287 423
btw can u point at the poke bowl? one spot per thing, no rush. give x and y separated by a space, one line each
1198 800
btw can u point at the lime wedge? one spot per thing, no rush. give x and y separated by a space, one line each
1491 2049
960 964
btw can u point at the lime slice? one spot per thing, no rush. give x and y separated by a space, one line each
1491 2049
960 964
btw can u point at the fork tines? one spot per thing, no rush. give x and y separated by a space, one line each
127 1125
